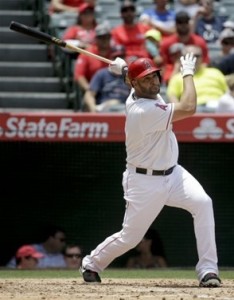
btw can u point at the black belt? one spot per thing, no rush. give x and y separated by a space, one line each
156 172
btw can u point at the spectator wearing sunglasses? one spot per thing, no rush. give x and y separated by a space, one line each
73 256
183 35
131 33
52 245
220 61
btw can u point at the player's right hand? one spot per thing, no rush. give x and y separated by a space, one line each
117 65
188 64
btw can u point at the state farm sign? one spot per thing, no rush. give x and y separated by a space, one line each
86 127
64 127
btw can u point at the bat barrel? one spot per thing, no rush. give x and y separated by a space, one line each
42 36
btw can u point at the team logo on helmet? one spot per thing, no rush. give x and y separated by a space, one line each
147 65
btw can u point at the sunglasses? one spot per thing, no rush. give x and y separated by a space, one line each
228 42
73 255
63 240
182 22
132 9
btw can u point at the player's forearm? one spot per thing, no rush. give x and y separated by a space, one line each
188 100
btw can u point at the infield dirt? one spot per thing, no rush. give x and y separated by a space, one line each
112 289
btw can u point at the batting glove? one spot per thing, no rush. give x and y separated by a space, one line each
187 64
117 65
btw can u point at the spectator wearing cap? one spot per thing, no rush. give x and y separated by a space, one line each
175 52
82 34
227 47
210 83
86 66
159 17
153 38
206 23
130 33
107 91
69 5
27 257
184 36
52 245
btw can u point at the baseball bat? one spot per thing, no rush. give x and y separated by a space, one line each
47 38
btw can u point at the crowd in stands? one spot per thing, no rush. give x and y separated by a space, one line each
162 33
51 252
55 252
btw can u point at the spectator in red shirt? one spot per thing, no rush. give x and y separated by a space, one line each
86 66
82 34
130 34
185 36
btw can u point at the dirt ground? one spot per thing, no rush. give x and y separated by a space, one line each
117 289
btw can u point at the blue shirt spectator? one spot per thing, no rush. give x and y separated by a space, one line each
160 17
106 92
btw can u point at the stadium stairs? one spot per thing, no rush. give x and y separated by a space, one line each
28 79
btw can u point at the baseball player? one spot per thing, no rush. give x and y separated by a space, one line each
153 178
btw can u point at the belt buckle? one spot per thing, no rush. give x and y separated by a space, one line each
164 172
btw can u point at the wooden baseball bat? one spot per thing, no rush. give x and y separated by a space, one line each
47 38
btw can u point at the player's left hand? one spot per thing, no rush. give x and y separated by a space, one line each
188 63
117 65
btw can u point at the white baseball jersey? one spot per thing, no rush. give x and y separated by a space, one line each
148 131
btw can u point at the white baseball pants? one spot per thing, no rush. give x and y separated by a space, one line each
145 197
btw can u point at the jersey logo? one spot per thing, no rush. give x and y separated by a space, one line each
162 106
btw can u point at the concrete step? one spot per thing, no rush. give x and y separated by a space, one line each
21 16
20 53
31 84
33 100
27 69
9 36
12 4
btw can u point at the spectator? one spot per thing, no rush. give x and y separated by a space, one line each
210 84
175 51
226 102
190 6
150 252
130 34
227 47
83 33
226 65
153 38
53 242
86 66
27 258
206 23
107 91
185 36
160 17
68 5
73 256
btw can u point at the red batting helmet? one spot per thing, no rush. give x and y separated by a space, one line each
141 67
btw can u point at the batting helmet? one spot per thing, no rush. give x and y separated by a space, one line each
141 67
